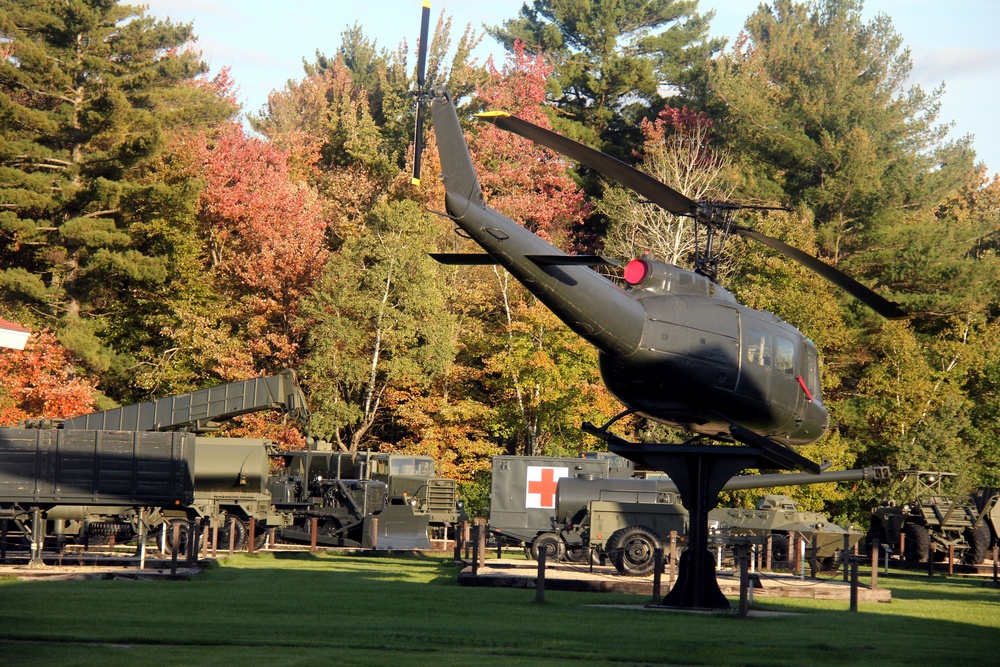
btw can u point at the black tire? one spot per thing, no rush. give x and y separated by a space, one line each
780 551
917 543
632 550
578 552
831 563
184 539
259 536
876 533
978 539
239 535
555 548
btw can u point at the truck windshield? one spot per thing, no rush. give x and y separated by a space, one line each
411 465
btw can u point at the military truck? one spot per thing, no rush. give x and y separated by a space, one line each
987 502
928 516
347 511
523 499
410 479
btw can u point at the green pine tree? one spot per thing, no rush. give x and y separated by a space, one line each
613 60
90 92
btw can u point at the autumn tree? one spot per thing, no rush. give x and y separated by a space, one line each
521 179
39 382
377 321
677 150
815 98
351 117
540 378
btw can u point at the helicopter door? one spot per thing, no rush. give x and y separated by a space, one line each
712 344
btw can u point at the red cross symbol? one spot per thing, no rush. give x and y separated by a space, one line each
545 487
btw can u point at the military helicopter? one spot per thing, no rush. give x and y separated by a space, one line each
674 346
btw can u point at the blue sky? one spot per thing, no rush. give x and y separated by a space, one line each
264 43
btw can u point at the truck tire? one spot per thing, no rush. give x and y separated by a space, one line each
875 533
632 550
185 541
978 538
831 563
226 529
918 543
552 543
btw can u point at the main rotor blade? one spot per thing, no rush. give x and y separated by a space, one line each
643 184
418 133
882 306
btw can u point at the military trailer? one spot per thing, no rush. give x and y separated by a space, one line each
927 516
625 520
63 484
115 473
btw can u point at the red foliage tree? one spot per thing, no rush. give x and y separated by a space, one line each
265 232
523 180
39 382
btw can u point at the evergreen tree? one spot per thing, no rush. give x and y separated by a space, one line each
814 98
613 59
89 92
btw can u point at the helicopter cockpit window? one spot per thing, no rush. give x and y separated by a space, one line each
758 347
812 369
784 358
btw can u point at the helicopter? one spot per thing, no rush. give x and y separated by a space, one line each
674 346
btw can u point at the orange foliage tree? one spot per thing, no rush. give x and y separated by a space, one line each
39 382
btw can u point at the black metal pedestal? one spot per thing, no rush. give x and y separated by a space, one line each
700 472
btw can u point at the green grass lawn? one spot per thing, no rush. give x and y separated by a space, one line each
304 609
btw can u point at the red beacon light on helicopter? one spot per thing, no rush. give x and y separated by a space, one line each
637 272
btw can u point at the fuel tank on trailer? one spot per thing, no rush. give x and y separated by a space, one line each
231 466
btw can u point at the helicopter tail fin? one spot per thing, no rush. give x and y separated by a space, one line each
459 175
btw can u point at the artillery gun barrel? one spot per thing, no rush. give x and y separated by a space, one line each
869 474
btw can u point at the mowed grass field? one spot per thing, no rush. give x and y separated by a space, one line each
355 609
